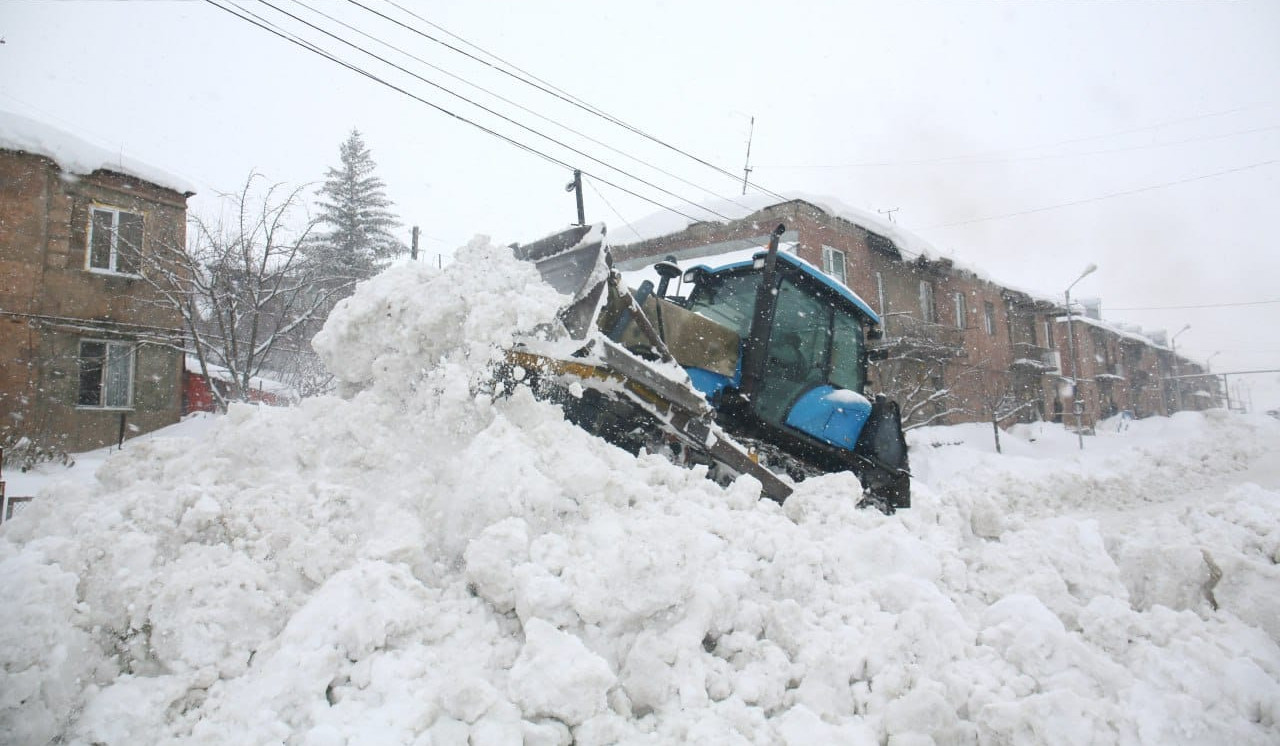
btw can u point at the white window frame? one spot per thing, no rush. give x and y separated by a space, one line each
113 259
960 310
880 293
114 348
989 317
829 256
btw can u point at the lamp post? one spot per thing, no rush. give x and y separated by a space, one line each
1076 404
1177 368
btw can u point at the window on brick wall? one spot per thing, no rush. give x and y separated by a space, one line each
106 374
960 310
989 317
880 294
115 241
1048 334
833 262
928 311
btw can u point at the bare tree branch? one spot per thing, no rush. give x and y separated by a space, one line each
248 295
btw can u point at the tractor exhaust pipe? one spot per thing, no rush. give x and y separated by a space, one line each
753 354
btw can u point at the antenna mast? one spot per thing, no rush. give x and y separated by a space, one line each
746 168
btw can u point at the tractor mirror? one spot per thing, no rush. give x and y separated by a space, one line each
695 275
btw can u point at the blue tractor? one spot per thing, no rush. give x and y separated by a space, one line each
773 355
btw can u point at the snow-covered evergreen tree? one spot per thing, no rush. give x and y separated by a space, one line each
354 215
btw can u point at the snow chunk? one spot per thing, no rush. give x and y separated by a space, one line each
557 676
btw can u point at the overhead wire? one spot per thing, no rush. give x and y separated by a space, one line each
1110 195
1086 138
1200 305
253 19
613 209
492 112
510 102
969 161
549 89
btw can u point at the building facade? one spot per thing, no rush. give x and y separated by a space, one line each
90 355
961 347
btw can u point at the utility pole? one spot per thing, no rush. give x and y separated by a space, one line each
1076 404
746 168
576 187
413 248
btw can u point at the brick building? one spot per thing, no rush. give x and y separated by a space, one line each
961 347
88 354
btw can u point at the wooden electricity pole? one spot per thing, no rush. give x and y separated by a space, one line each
575 186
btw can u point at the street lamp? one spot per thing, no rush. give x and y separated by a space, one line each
1177 369
1076 404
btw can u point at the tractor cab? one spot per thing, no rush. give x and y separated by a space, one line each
779 351
814 354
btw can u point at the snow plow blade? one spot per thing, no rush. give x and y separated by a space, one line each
572 262
627 403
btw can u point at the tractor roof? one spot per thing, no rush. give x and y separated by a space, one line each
837 287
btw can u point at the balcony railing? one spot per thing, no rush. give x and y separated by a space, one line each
1028 356
904 333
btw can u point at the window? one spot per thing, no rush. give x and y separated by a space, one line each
989 317
106 374
833 262
115 241
728 300
928 311
798 353
1048 334
880 294
960 311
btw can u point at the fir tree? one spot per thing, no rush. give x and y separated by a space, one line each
354 217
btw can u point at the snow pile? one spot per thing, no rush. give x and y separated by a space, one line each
419 563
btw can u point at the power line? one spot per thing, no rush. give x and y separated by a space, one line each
973 160
547 88
615 212
509 102
1203 305
486 109
270 28
1111 195
1072 141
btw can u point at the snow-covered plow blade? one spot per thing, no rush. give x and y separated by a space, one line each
698 379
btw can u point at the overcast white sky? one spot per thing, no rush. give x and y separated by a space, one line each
1152 130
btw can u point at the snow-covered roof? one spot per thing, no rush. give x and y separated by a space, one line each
1125 331
76 155
666 222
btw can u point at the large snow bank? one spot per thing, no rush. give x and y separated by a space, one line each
417 563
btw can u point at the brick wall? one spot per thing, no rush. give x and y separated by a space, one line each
49 301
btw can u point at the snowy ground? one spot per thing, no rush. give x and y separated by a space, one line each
418 564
